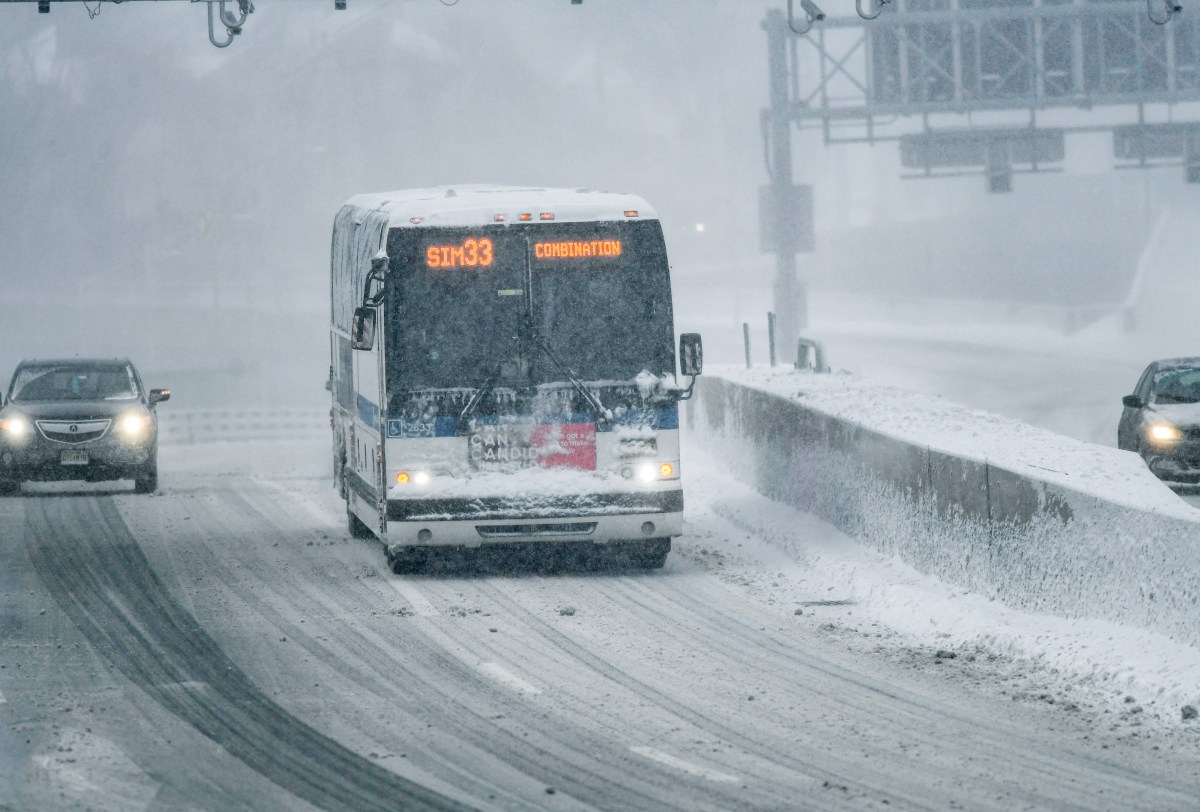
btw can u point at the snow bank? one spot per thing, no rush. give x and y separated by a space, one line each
1040 521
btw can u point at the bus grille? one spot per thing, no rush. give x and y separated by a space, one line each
526 530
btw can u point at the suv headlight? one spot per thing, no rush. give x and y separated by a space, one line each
1164 433
133 425
15 427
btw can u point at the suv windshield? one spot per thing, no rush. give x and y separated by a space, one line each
597 294
1177 386
73 382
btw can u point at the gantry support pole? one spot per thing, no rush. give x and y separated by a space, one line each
791 297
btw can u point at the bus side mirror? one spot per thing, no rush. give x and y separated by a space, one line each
362 330
1132 402
159 395
691 354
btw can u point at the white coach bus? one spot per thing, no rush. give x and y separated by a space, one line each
503 372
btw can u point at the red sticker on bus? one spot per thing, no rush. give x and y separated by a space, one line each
565 445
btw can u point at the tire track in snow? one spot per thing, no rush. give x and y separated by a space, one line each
655 754
438 686
419 603
764 751
925 719
98 575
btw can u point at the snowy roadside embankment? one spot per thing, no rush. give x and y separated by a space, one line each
1038 520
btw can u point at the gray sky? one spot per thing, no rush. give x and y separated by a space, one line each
149 171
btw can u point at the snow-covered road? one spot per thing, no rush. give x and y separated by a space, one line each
225 644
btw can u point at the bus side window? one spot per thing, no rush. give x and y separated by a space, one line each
345 384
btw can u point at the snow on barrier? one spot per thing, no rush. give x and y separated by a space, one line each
1040 521
186 426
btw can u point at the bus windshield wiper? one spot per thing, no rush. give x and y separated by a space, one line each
476 399
488 385
603 415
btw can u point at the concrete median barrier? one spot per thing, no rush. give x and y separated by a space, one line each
1037 520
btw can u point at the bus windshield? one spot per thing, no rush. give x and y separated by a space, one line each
469 305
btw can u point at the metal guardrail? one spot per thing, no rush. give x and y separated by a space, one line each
188 426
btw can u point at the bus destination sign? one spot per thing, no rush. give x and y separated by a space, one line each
472 253
577 249
480 252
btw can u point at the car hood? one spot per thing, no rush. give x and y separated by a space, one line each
1179 414
71 409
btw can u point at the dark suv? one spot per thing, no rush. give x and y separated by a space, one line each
1161 420
78 418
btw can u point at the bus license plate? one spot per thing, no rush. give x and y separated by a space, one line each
74 458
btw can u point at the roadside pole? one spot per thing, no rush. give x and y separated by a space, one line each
779 204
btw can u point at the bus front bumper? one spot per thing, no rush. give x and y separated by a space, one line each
596 518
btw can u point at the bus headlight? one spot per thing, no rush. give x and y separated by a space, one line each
655 471
15 427
133 425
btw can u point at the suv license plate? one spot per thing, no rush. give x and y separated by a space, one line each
74 458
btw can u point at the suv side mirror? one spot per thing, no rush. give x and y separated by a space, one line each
1132 402
691 354
159 395
362 330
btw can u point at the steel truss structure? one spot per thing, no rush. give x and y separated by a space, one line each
938 59
934 56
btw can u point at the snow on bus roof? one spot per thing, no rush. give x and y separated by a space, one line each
478 204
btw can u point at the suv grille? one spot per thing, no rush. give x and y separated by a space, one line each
77 431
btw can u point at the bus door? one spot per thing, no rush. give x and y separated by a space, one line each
366 461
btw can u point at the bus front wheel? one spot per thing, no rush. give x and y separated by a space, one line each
653 555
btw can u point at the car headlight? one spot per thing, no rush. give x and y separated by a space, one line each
15 427
1164 432
133 425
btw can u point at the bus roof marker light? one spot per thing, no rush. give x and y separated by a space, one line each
526 217
546 215
631 213
416 221
500 218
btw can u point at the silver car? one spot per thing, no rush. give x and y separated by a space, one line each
79 419
1161 420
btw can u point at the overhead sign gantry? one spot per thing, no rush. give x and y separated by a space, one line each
940 62
965 87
